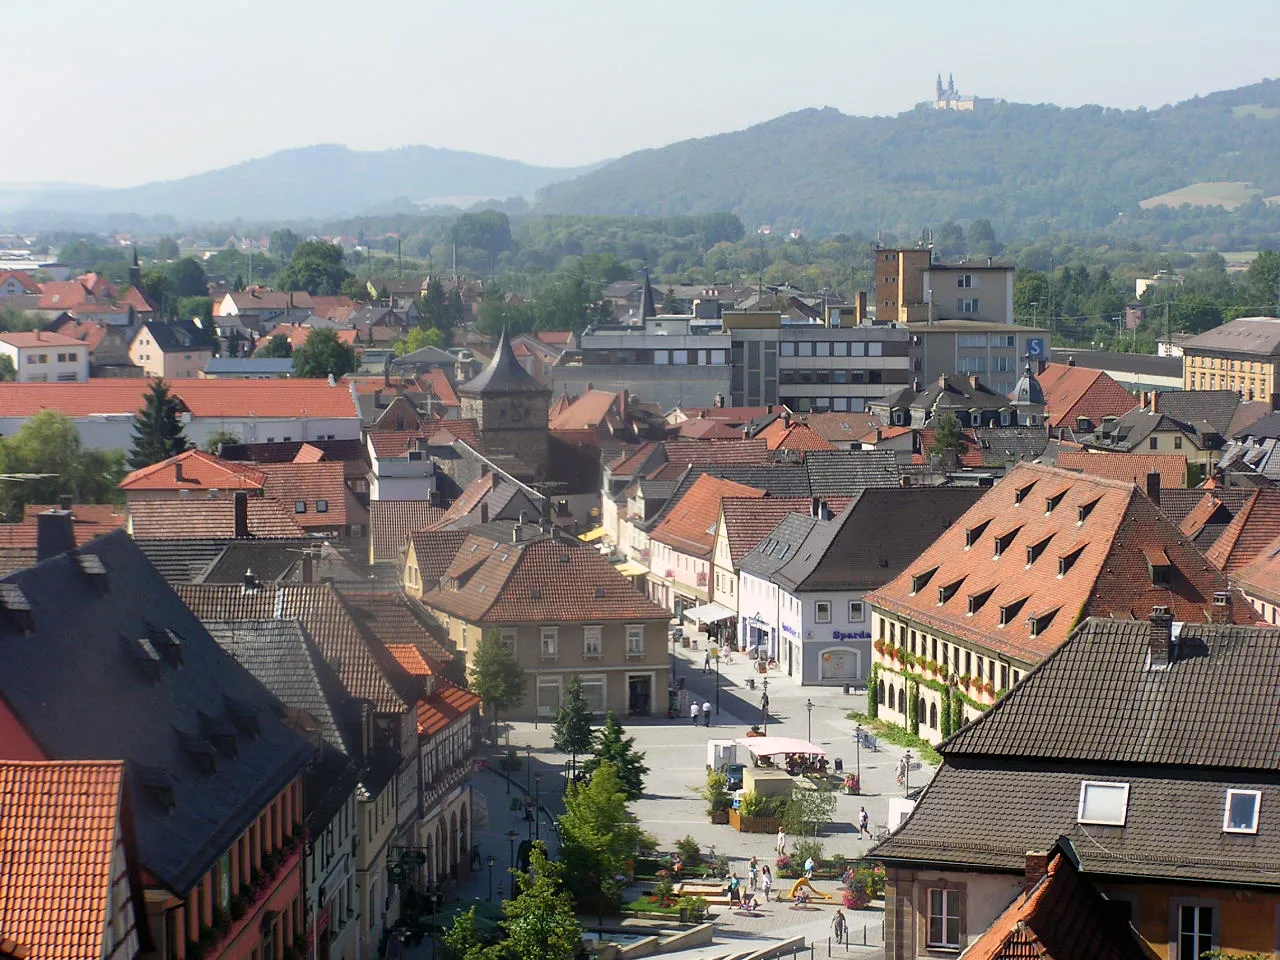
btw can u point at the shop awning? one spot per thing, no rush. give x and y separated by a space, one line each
591 535
708 613
630 568
772 746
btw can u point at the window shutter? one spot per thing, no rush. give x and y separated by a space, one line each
963 895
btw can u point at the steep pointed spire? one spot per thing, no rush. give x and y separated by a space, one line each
135 271
503 374
648 306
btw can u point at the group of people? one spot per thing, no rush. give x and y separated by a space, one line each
703 712
759 877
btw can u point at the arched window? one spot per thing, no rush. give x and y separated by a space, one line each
880 692
921 712
933 715
464 838
902 701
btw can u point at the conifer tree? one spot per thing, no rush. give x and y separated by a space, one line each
572 731
613 745
157 429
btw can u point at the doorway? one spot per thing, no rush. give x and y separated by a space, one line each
639 695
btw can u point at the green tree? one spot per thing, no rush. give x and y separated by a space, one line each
167 249
159 288
324 355
417 338
613 746
236 343
487 230
187 278
462 941
218 438
598 834
49 443
496 677
571 733
1262 279
192 307
7 370
157 429
540 922
278 347
283 242
982 240
949 434
316 267
808 812
434 305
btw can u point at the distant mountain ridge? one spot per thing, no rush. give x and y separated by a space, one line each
1028 168
302 183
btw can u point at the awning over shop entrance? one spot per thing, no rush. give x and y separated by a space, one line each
632 569
592 535
708 613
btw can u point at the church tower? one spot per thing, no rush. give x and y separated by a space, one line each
1028 399
510 408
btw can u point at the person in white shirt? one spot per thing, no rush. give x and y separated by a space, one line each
706 713
693 711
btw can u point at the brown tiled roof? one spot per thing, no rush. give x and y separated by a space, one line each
717 452
1099 529
58 828
308 453
88 520
395 619
361 666
1204 511
293 397
1254 526
690 525
439 384
1262 575
394 443
748 520
541 580
468 500
313 484
631 460
586 412
1063 917
702 429
780 435
391 522
411 658
733 415
200 471
447 703
207 518
1132 467
435 550
88 332
841 427
1072 392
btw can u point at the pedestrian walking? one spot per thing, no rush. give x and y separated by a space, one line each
808 868
864 823
841 929
693 711
902 771
734 886
753 870
764 703
781 845
706 663
706 713
766 876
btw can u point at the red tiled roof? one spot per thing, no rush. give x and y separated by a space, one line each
88 332
38 338
391 522
717 452
1253 527
297 335
308 453
200 471
59 824
631 460
446 704
557 337
23 278
841 427
434 550
203 398
138 299
1105 553
394 443
690 525
1200 515
333 308
733 415
1132 467
702 429
542 580
876 434
438 382
319 486
196 518
468 500
88 520
587 412
748 520
98 285
780 435
970 455
1262 575
411 658
63 295
1072 392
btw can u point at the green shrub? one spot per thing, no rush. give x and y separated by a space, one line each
808 848
689 851
716 792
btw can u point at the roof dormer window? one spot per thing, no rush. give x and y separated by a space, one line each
978 600
1009 612
1083 511
1004 539
1068 560
947 591
1241 812
974 533
1039 622
1103 804
1023 492
1034 551
921 580
1051 502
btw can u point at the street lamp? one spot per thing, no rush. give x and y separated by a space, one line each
717 681
537 804
490 861
808 705
528 786
857 742
511 844
906 771
764 706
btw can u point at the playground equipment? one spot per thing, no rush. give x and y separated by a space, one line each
803 883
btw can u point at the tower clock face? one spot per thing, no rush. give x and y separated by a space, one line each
519 410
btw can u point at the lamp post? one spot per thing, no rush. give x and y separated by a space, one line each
511 844
528 785
717 681
537 803
808 705
490 862
765 706
857 742
906 771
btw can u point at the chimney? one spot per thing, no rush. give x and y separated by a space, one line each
241 512
377 397
815 507
1071 361
786 419
718 402
702 414
973 381
1153 487
1155 402
53 534
177 472
1041 367
1160 637
1274 401
624 406
1037 867
484 513
64 502
915 384
524 516
251 583
516 533
308 568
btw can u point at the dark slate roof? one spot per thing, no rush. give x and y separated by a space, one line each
174 336
280 654
1216 706
782 544
874 538
426 357
1215 407
842 473
1002 445
1176 502
951 392
1129 431
218 560
503 375
1245 336
983 815
1267 427
85 687
286 451
182 561
1140 364
327 785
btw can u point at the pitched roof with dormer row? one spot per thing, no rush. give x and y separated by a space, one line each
1041 549
543 579
59 825
318 488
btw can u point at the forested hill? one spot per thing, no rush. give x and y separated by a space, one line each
1027 168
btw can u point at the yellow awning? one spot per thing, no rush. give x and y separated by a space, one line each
592 535
631 569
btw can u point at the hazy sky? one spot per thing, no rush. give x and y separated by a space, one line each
140 90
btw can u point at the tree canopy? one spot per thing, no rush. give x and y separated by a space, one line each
540 922
572 730
316 266
495 676
49 443
613 746
323 355
598 834
277 347
157 428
